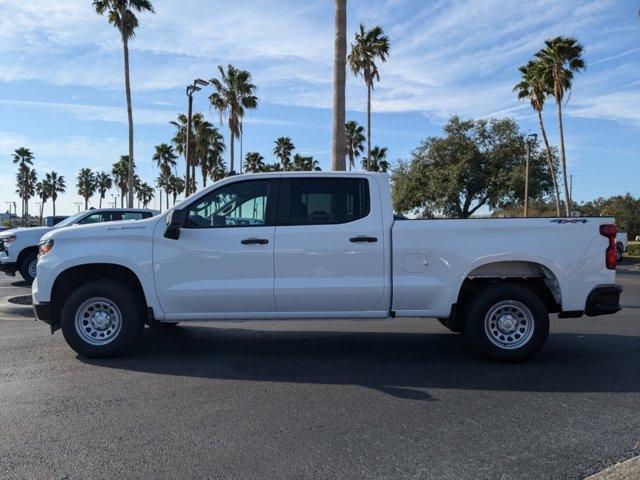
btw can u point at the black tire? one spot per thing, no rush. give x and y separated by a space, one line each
451 326
25 265
169 325
129 305
517 304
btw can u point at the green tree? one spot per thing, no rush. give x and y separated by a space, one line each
180 139
120 172
378 161
86 183
176 187
23 158
234 93
165 159
282 150
103 183
209 149
121 14
253 162
145 194
476 163
531 88
369 45
26 180
305 163
559 60
43 191
355 141
56 185
624 208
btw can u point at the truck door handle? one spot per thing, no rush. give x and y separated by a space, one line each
252 240
362 238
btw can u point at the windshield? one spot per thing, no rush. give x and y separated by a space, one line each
70 221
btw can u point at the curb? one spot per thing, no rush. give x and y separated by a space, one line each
7 307
627 470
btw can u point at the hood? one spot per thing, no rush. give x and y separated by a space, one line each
23 230
116 229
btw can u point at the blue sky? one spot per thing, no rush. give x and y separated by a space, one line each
62 94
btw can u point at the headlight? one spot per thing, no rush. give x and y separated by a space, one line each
45 246
9 239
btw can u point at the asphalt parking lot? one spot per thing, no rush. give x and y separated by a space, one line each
355 399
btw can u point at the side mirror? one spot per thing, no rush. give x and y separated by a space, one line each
175 220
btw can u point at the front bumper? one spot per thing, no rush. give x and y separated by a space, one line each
603 300
10 268
43 312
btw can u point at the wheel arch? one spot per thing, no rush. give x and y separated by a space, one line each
24 253
72 277
534 275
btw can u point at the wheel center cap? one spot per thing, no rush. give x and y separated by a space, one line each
506 323
101 320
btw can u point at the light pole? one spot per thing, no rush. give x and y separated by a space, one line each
531 138
77 204
191 89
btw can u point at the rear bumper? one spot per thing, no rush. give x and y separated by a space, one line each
603 300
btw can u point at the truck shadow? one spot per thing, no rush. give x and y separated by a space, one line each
404 365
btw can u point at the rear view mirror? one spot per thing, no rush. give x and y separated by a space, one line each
175 220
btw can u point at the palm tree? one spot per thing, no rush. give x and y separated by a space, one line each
86 183
559 60
103 183
339 84
533 89
233 93
42 190
120 172
56 185
355 141
272 167
26 180
369 45
23 158
282 150
377 162
209 145
212 164
175 186
180 139
145 194
165 158
305 163
253 162
121 15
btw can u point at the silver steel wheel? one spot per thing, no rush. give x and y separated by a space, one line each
33 270
98 321
509 324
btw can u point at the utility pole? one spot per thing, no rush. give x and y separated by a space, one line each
531 139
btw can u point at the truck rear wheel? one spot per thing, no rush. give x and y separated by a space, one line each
102 319
506 322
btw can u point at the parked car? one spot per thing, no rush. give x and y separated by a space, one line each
19 246
621 244
322 245
53 220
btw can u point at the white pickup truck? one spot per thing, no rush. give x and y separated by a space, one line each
19 246
322 245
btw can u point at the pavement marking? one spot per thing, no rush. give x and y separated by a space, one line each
627 470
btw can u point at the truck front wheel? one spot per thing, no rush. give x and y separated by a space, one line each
506 322
28 267
102 319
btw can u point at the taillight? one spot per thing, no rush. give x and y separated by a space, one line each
610 231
